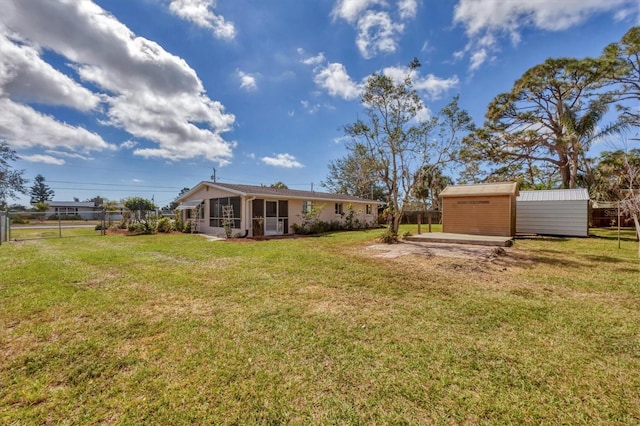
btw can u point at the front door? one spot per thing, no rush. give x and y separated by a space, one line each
271 218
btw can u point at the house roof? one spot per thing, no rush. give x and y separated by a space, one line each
578 194
267 191
504 188
83 204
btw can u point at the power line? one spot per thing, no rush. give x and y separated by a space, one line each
113 184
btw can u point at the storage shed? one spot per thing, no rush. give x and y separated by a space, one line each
483 209
563 212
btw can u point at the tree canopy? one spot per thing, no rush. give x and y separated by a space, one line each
355 175
12 182
397 144
546 124
41 192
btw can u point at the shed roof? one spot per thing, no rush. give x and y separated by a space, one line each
503 188
578 194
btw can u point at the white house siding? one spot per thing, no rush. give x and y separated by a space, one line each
559 212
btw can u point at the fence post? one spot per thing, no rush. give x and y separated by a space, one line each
2 227
60 225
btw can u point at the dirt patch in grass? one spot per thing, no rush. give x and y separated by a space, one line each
463 251
483 264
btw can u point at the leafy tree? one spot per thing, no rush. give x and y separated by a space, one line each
40 191
611 174
624 60
618 179
279 185
140 209
41 207
110 208
97 200
397 142
429 183
550 116
12 181
355 174
174 204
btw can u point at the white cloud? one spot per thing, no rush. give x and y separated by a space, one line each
377 33
40 158
350 10
478 58
247 81
378 24
485 20
430 85
314 60
26 77
282 160
309 107
68 154
129 144
408 8
199 12
147 91
337 82
335 79
25 128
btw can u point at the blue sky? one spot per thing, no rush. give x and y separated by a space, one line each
144 97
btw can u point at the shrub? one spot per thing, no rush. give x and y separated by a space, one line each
187 227
137 228
164 225
389 237
19 220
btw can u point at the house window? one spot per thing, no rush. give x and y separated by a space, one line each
368 209
196 213
339 208
307 207
216 209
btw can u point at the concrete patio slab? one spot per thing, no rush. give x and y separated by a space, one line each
443 237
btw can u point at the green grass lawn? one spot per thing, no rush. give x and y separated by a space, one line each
176 329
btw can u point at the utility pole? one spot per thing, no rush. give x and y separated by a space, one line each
213 176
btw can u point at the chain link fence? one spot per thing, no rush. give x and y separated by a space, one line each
25 225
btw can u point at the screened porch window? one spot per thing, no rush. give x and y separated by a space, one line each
216 215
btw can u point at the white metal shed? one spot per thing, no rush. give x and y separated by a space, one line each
562 212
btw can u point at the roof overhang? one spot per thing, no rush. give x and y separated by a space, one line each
189 205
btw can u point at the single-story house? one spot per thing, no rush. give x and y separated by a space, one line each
482 209
563 212
69 209
80 209
261 210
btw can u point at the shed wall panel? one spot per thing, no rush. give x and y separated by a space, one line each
565 218
481 215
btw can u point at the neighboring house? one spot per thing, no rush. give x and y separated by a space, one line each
79 209
482 209
562 212
69 209
261 210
